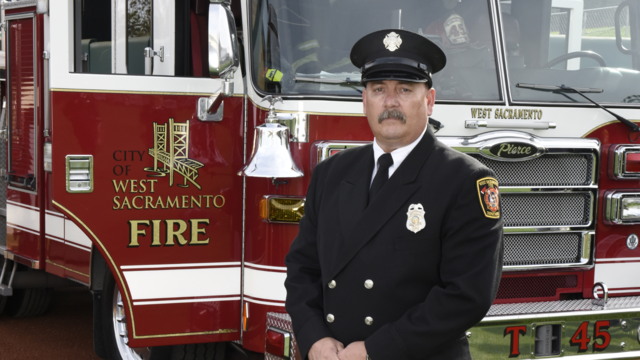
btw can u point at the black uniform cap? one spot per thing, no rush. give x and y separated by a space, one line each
395 54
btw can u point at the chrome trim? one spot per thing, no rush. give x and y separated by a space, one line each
287 340
618 162
613 206
507 190
509 124
84 185
323 149
18 4
35 264
298 124
588 247
605 291
269 197
202 109
506 313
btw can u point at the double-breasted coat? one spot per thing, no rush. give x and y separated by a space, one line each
356 272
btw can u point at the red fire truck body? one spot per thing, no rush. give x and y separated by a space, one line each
122 176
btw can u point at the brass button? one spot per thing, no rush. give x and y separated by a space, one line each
332 284
368 284
368 320
330 318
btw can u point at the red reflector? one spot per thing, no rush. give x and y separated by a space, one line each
335 151
633 162
278 343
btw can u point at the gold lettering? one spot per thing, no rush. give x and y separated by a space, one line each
539 114
207 197
117 204
215 201
148 202
528 151
171 232
119 185
172 204
489 114
125 202
185 200
153 182
133 202
195 230
155 225
143 187
474 112
159 203
135 231
134 186
197 202
504 147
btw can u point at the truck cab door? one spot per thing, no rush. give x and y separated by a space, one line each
154 187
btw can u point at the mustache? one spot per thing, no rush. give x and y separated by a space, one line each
392 113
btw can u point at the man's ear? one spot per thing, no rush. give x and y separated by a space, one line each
431 100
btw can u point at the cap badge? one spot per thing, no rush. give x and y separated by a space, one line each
392 41
415 218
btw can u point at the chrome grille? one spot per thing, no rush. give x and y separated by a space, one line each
546 170
546 209
540 249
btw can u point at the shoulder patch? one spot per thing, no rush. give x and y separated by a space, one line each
488 194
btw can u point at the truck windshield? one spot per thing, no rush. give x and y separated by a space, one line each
302 47
573 42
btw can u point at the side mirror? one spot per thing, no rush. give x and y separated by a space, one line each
223 58
223 40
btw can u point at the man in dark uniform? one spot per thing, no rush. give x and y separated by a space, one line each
400 248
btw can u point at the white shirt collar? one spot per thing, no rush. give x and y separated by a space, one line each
398 154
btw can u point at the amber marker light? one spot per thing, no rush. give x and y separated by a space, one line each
278 343
282 209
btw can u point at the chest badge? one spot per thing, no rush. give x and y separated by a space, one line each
392 41
415 218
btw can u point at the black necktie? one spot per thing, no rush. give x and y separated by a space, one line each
384 162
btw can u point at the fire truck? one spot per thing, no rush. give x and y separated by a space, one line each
158 153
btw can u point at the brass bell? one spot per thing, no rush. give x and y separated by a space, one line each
271 156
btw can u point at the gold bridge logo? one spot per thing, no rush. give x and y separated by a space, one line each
171 150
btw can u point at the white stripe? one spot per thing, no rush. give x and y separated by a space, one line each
26 218
23 205
54 239
73 234
619 259
267 285
77 246
618 275
23 229
54 225
187 265
160 302
263 302
54 213
278 268
180 283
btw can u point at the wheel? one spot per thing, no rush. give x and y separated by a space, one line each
576 54
115 328
28 302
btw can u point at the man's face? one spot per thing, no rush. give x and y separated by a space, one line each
387 102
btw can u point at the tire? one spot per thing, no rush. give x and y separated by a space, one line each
28 302
115 323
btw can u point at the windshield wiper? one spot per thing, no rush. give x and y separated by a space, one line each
562 88
346 81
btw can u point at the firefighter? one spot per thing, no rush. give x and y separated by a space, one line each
400 248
